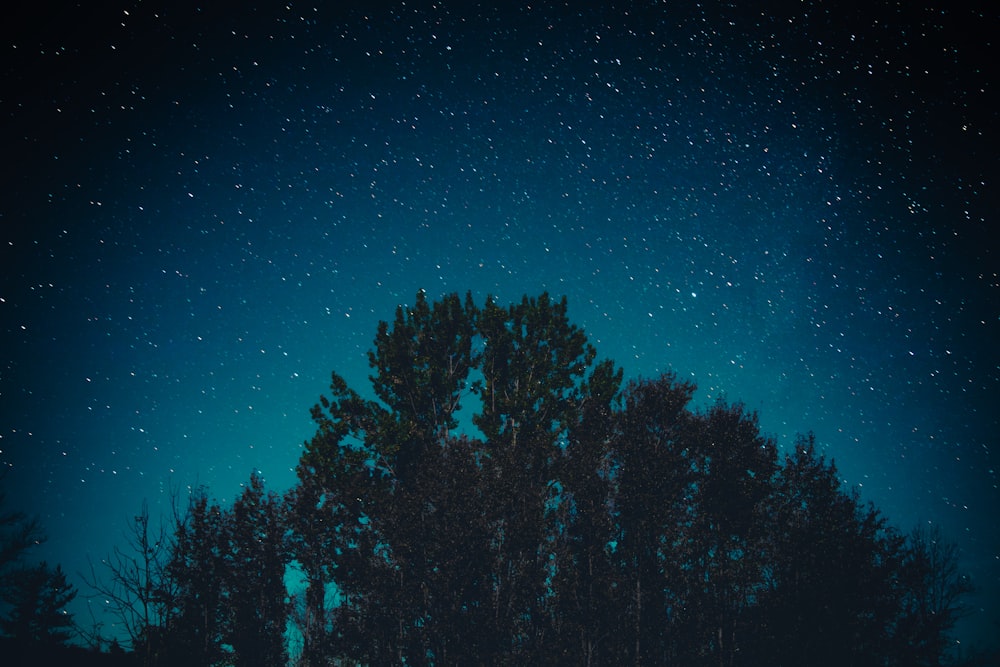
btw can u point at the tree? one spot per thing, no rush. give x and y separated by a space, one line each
33 597
18 534
655 479
736 465
253 563
136 585
313 535
498 497
586 550
829 594
388 471
38 617
932 590
341 480
534 363
196 570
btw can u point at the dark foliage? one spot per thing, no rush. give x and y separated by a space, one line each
18 534
17 654
228 604
196 570
38 596
254 563
502 498
33 597
564 519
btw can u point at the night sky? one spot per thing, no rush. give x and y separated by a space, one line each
205 210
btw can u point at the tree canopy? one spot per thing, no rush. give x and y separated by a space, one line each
34 623
507 498
498 495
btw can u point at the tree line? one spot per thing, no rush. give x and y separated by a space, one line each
503 497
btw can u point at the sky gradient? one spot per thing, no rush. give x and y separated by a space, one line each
206 210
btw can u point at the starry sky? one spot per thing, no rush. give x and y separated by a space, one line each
206 209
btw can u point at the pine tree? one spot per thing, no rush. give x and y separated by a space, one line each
38 597
18 534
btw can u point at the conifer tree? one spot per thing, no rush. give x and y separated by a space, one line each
18 534
38 597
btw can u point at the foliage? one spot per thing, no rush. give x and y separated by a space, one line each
38 596
565 518
18 533
33 597
499 496
228 603
253 579
196 572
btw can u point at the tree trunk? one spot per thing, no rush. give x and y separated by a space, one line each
638 619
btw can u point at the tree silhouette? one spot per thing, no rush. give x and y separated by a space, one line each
38 596
313 535
134 581
654 475
499 497
576 521
586 550
932 591
731 526
197 572
33 598
18 534
253 564
829 596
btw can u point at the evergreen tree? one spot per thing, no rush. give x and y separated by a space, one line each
33 598
38 597
18 534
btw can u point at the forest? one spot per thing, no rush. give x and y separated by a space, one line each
500 496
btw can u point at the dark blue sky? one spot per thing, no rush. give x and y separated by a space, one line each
206 210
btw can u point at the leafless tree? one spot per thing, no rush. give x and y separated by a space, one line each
133 584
